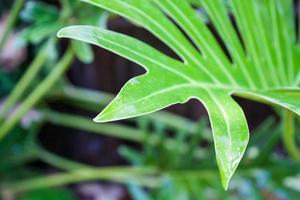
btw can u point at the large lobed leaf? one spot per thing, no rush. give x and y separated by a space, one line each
260 65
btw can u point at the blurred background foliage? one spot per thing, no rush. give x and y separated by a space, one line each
50 148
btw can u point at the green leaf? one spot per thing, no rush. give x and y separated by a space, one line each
36 33
83 51
39 12
261 67
287 98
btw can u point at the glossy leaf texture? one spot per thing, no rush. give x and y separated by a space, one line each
259 62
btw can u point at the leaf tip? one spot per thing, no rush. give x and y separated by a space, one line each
70 31
102 118
99 119
227 173
61 33
225 183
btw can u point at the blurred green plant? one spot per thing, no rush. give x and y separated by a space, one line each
173 157
49 194
45 21
170 163
184 180
9 26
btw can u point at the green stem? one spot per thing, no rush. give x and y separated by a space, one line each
38 93
82 123
94 100
83 98
109 129
144 176
268 148
67 10
16 161
12 18
24 82
34 152
141 176
289 135
57 161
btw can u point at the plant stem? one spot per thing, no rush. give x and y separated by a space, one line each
289 139
141 176
38 93
94 100
34 152
12 18
144 176
268 148
16 161
57 161
67 10
112 130
82 123
83 98
24 82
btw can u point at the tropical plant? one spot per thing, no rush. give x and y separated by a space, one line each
259 61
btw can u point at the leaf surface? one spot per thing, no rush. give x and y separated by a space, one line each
252 65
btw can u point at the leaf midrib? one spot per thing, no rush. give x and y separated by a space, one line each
179 87
206 46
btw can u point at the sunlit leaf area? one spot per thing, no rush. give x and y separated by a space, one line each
149 99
